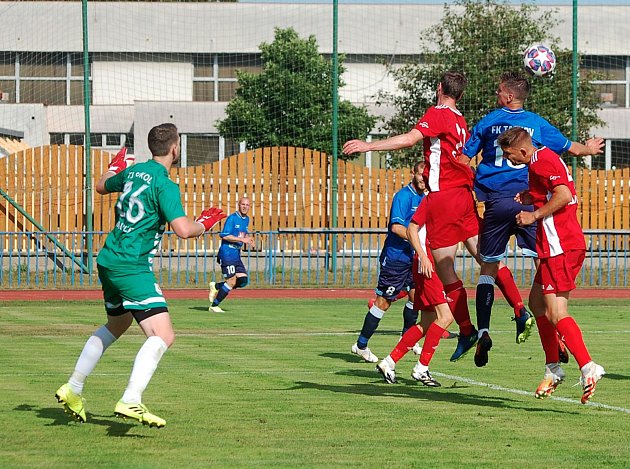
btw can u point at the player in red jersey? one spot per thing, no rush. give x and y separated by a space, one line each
561 249
430 299
451 213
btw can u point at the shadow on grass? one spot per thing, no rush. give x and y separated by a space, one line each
616 376
114 426
205 310
422 393
347 357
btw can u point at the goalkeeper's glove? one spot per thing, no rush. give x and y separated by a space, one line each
121 161
210 217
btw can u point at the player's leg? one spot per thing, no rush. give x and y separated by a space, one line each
408 341
144 298
391 280
434 333
235 276
370 324
455 291
554 374
118 321
559 272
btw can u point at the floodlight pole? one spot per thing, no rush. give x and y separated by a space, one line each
87 144
335 132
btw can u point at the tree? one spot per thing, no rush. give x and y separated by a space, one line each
290 102
484 38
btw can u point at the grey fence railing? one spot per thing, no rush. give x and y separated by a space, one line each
297 258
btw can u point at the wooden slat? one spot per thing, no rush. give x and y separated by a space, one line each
282 186
266 177
601 200
257 184
585 198
300 207
342 194
291 187
625 196
273 188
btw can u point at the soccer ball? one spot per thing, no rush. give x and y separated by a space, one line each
539 60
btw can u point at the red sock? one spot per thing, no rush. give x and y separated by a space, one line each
407 341
548 339
431 342
456 293
568 328
505 282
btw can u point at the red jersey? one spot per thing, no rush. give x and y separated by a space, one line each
560 231
445 132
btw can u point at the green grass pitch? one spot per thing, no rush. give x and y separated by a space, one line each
273 383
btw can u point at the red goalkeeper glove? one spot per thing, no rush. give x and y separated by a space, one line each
210 217
121 161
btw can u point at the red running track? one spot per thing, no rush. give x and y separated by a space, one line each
253 293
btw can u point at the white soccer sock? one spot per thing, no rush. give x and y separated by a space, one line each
92 352
144 366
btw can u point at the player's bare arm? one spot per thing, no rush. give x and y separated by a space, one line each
400 230
425 267
236 239
560 197
593 146
185 228
396 142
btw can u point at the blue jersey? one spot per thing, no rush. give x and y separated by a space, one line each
404 205
497 177
235 225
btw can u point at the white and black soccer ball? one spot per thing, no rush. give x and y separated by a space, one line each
539 60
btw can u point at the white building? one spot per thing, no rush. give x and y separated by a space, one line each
159 62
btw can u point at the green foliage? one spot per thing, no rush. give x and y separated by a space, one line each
484 38
290 102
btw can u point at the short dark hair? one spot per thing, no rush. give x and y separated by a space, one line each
453 84
161 138
419 166
512 137
516 84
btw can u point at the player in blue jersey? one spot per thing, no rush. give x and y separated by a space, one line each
497 180
233 235
396 260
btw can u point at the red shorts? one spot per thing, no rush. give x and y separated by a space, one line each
451 217
429 292
558 273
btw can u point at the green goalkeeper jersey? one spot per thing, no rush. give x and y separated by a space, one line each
148 200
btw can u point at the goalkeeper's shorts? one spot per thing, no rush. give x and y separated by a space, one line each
130 291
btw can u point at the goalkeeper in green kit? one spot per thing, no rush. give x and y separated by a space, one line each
148 200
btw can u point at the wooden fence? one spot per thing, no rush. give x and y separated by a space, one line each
289 188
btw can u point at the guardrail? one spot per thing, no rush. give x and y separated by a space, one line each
295 258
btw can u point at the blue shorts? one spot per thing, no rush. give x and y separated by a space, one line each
394 277
230 266
499 223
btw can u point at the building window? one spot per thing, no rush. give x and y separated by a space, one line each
51 79
610 75
215 75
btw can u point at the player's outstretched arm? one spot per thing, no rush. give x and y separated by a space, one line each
593 146
120 162
185 228
396 142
